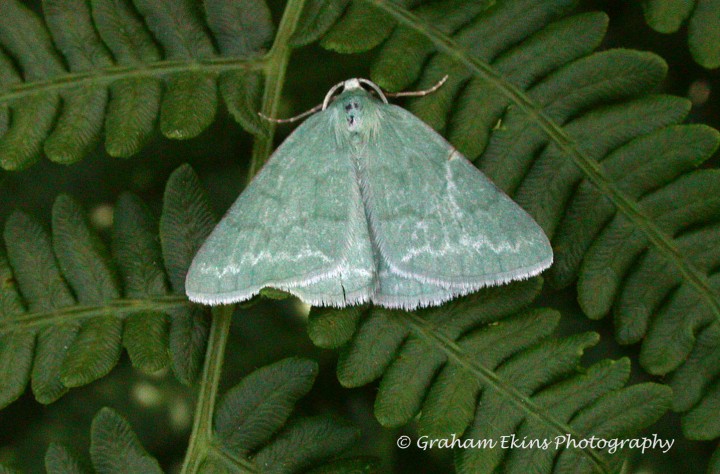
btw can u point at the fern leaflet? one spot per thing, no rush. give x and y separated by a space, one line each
67 311
118 67
666 16
600 162
252 433
482 368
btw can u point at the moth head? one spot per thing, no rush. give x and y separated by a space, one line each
353 101
354 84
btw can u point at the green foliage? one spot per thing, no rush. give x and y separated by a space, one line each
317 17
579 138
249 435
184 224
581 142
139 261
116 67
253 413
83 306
703 25
114 448
481 367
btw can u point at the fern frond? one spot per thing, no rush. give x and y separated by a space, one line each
94 66
483 368
139 259
67 307
114 447
702 16
696 385
86 267
252 431
267 395
316 18
186 221
359 29
58 459
581 142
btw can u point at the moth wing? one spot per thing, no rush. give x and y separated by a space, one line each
444 229
299 226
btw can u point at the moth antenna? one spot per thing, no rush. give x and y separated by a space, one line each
330 94
375 87
419 93
292 119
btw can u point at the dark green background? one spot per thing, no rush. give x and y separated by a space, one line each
274 330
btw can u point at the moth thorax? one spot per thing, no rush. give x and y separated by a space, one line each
353 112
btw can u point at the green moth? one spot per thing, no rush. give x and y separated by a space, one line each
364 202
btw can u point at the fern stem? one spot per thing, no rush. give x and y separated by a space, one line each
116 308
106 76
275 65
201 436
275 68
556 133
514 396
